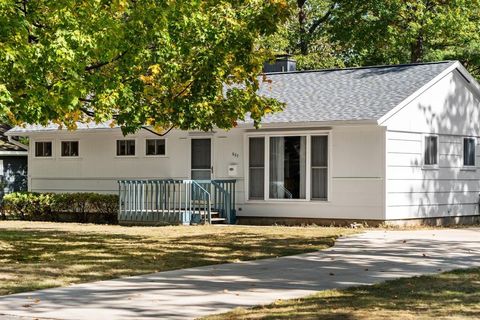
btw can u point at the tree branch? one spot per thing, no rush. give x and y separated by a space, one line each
316 23
183 90
156 133
104 63
88 112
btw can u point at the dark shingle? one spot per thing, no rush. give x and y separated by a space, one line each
346 94
365 93
5 145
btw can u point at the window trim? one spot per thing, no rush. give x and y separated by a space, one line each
40 141
155 155
430 166
308 135
69 157
126 156
474 166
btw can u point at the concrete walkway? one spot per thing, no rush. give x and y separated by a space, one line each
361 259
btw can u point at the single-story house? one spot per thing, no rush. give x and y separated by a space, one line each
13 164
372 144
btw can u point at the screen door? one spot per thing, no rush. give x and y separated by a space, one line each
201 154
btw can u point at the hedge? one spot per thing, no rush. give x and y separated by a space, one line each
62 207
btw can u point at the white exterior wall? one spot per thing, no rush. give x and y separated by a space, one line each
97 169
451 109
356 167
356 182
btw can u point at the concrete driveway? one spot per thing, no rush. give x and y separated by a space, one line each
361 259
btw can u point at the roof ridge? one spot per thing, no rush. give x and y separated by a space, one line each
362 67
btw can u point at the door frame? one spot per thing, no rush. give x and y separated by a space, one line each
212 159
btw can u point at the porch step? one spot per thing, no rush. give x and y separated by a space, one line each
215 217
218 220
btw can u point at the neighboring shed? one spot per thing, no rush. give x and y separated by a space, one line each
13 164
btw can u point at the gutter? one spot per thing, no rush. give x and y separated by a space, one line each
17 143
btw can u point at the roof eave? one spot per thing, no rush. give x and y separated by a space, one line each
13 153
310 123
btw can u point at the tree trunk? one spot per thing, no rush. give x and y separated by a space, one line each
417 49
302 21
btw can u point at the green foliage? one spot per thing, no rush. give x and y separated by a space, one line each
338 33
27 205
147 62
304 35
387 32
85 207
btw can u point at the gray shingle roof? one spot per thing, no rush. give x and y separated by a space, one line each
366 93
5 145
346 94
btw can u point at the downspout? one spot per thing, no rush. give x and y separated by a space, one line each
17 143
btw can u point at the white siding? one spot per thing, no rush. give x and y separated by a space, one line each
356 164
356 184
97 169
450 109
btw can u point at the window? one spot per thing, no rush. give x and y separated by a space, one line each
155 147
256 169
125 147
43 149
469 152
287 167
431 151
69 149
319 163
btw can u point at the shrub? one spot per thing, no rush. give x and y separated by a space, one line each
78 207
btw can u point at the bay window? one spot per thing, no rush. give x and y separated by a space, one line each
294 166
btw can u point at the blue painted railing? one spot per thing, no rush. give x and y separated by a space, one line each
169 201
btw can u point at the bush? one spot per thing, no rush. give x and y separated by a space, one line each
74 207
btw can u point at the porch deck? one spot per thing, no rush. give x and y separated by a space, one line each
172 202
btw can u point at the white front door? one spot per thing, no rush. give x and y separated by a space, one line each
201 159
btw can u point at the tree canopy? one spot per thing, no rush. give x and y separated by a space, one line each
401 31
336 33
196 64
139 62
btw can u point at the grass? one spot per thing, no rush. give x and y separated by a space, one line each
450 295
38 255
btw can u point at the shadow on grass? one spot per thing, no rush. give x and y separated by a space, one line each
453 294
37 259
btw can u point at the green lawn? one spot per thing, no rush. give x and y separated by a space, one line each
450 295
37 255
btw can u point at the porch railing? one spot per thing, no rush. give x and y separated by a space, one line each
169 201
223 197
